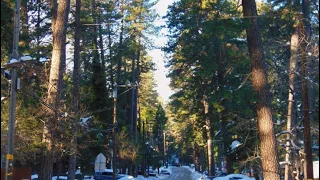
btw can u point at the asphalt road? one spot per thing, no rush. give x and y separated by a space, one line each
180 173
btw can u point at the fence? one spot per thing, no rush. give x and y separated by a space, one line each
18 173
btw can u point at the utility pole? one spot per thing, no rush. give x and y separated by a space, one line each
114 167
12 115
164 149
114 133
145 154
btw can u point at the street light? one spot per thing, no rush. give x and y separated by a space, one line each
164 150
115 96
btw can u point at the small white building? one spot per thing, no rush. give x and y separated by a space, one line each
315 169
100 163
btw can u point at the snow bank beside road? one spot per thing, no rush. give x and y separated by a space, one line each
138 178
198 176
127 178
195 175
244 177
158 177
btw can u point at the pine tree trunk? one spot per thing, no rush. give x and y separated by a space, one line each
130 168
136 109
132 100
306 37
59 166
290 116
38 27
102 52
46 164
137 76
59 22
25 38
98 77
211 165
219 159
73 158
101 46
270 163
295 135
196 157
120 48
110 56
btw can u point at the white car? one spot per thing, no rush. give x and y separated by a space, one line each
34 177
152 172
60 178
88 177
234 177
165 172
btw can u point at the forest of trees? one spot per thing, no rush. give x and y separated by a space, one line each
215 48
243 72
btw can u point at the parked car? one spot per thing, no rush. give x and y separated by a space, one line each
60 178
34 177
106 175
220 174
152 172
165 172
88 177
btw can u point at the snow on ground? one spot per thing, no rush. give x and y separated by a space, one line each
195 175
140 177
159 176
127 178
244 177
198 176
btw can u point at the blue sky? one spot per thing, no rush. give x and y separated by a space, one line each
158 56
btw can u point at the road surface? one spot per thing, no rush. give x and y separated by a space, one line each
180 173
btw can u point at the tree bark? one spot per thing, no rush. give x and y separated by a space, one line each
292 70
76 96
306 37
211 164
101 46
98 78
196 157
120 48
38 27
25 38
132 100
270 163
137 74
59 26
136 109
110 55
